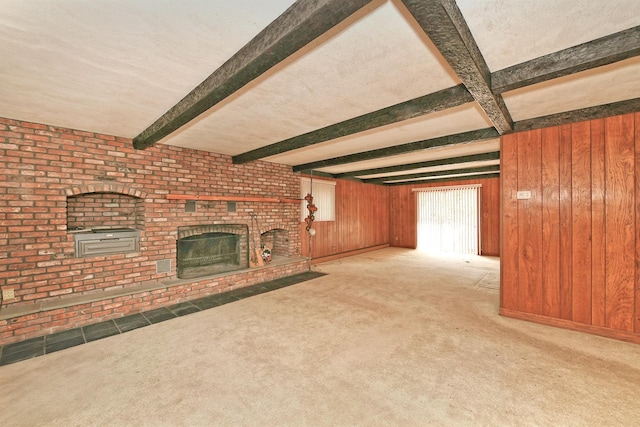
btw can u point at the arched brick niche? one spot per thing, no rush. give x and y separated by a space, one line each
276 237
105 206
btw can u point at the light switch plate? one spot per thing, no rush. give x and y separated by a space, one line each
523 195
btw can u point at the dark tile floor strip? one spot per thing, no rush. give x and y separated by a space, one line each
39 346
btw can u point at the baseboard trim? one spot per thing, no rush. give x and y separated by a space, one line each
574 326
347 254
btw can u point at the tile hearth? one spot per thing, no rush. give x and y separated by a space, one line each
39 346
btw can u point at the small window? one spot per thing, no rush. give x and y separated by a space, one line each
324 197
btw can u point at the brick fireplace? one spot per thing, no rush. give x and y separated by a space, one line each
61 183
211 249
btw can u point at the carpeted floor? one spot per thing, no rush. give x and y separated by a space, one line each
388 338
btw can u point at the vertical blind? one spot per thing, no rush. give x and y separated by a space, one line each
448 219
324 197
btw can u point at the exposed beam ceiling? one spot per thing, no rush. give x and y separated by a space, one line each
495 155
452 178
443 22
441 100
589 113
384 91
410 176
295 28
460 138
605 50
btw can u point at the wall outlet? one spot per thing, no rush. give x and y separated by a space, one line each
8 294
523 195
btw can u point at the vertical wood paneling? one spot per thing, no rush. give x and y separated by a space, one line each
590 236
509 271
581 222
597 223
637 220
490 223
402 218
564 151
362 221
550 223
530 222
620 222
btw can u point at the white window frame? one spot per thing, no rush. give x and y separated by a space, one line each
324 197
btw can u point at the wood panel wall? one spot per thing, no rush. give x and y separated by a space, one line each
362 221
403 221
570 252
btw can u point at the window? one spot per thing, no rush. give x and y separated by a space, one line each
324 197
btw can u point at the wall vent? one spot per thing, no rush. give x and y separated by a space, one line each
190 206
163 266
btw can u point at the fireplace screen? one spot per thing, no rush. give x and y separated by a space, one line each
208 253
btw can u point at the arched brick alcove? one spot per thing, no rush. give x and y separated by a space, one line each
105 205
277 238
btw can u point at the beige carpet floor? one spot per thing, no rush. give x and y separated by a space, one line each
388 338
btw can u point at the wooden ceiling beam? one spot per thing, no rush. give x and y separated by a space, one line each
596 53
459 138
494 155
449 179
580 115
467 170
303 22
443 23
434 102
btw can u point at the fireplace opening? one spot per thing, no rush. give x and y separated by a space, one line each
205 252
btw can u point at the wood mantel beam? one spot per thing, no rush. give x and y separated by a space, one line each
596 53
444 24
434 102
303 22
230 198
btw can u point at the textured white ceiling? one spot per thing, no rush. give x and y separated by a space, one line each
453 120
509 32
115 66
602 85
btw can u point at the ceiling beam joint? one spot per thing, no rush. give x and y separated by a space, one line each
443 23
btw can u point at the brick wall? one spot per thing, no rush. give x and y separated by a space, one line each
48 169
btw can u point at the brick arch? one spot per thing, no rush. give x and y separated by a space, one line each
278 237
278 226
104 187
